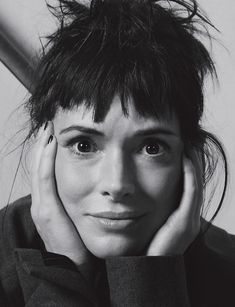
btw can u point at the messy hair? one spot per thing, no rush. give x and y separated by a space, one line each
141 49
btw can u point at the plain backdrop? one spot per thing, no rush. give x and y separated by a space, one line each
34 20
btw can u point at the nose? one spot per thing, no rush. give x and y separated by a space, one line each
116 177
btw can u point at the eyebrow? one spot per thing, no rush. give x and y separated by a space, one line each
141 132
81 129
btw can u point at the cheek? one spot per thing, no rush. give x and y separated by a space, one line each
74 180
162 183
161 190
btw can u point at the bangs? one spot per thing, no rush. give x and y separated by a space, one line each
95 80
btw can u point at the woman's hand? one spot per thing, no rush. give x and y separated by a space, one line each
183 225
50 218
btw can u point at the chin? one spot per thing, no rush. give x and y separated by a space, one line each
114 247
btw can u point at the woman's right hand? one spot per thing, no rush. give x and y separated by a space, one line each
50 218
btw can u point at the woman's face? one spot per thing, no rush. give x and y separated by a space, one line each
118 180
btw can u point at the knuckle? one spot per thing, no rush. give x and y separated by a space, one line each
183 227
44 215
41 214
44 175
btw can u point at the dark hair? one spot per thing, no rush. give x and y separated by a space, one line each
144 49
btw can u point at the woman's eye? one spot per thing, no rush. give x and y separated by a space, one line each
83 146
153 148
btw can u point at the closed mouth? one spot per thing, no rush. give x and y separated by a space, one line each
116 221
117 215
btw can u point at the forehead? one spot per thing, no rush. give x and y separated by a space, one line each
115 121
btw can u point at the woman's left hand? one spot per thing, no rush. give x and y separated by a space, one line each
183 225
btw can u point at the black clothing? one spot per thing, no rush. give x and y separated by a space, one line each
30 276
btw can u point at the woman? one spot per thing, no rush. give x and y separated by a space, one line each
118 167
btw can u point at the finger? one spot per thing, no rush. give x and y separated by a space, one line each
37 151
40 131
39 145
189 204
33 149
197 159
42 143
47 184
34 157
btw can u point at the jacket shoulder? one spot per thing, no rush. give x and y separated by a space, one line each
17 208
210 267
221 243
17 229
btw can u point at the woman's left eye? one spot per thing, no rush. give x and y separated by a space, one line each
153 148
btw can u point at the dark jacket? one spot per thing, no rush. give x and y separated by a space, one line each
30 276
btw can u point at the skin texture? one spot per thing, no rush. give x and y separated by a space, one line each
118 172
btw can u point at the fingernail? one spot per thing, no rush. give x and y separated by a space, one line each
45 125
50 139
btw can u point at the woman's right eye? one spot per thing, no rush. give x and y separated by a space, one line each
83 146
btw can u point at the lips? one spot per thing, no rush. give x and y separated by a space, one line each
117 215
116 221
